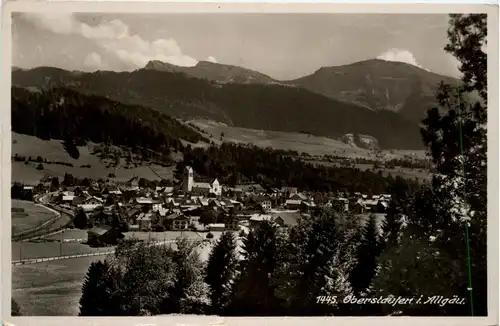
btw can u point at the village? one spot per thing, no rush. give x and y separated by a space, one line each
106 210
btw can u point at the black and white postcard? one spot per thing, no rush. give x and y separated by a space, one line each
192 163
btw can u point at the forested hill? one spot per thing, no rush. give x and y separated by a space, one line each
233 164
65 114
268 107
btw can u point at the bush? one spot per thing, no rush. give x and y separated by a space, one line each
111 175
210 235
40 166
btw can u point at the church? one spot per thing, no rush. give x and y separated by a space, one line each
189 185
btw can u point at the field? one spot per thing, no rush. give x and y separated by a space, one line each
53 150
397 171
54 288
167 235
31 250
299 142
68 234
50 288
27 215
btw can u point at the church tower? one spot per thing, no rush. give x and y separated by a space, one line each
188 180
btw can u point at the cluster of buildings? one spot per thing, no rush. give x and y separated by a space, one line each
200 206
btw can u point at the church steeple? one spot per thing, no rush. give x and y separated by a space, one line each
188 179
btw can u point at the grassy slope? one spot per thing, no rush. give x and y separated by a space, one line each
313 145
54 288
293 141
32 216
50 288
53 150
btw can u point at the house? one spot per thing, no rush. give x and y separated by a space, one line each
256 219
201 189
236 204
168 190
133 214
216 188
340 204
232 192
78 191
379 206
216 226
133 183
89 207
307 206
251 188
67 199
77 201
232 223
293 204
145 201
286 219
93 201
101 217
204 202
359 207
176 221
144 221
103 235
298 196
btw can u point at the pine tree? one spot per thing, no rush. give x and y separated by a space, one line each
460 182
456 199
220 271
99 291
316 261
367 253
254 291
81 220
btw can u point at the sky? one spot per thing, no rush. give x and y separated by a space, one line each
283 46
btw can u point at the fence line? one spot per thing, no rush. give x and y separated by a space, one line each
40 260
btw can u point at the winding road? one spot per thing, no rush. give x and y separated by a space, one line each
57 223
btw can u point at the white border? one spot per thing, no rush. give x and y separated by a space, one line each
207 8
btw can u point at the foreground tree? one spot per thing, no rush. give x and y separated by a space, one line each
188 293
453 209
254 290
100 291
315 262
220 271
148 272
367 253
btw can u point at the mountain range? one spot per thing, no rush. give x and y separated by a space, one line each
374 84
382 99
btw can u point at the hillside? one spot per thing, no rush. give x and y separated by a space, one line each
256 106
214 72
378 84
89 164
60 113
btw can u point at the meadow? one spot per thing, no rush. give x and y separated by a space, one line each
54 288
407 173
300 142
50 288
53 150
27 215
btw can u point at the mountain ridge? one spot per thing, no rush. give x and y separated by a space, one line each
258 106
375 84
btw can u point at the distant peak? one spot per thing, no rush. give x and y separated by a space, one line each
154 64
